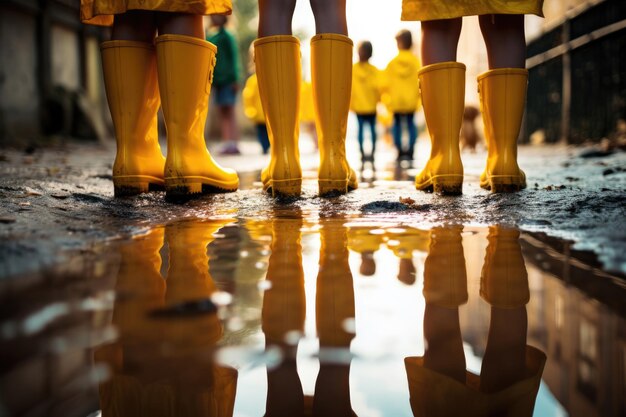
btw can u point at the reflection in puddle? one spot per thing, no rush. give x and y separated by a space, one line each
298 316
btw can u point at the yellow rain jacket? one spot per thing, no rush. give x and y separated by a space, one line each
100 12
437 9
365 88
252 101
402 83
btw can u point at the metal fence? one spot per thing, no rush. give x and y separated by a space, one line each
577 76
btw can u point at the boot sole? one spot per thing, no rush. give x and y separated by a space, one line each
190 187
443 185
504 184
285 188
331 188
131 185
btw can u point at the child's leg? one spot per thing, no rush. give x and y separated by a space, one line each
444 352
397 132
410 119
442 88
372 122
181 24
505 356
134 25
503 97
504 38
264 140
184 59
330 16
130 79
228 124
440 39
331 76
361 123
275 17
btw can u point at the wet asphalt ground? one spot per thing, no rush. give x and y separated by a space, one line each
59 200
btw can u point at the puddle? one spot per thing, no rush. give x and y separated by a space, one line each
298 314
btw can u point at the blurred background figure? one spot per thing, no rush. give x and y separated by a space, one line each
470 135
365 97
402 85
252 106
226 77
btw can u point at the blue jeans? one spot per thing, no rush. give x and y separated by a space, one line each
262 136
397 130
364 119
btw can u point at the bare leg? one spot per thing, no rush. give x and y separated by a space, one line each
330 16
275 17
134 25
181 24
504 38
442 332
440 39
505 355
230 132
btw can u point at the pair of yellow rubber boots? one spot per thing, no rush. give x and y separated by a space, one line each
177 74
278 67
502 99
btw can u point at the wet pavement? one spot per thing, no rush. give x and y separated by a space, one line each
384 302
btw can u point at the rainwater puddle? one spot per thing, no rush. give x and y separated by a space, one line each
297 315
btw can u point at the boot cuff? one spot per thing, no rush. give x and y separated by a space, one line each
503 71
125 44
186 39
441 66
332 37
276 38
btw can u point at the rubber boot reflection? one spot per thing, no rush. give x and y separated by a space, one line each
161 364
284 314
335 322
511 370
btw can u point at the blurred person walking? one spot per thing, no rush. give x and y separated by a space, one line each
365 97
277 54
226 78
402 86
158 56
502 89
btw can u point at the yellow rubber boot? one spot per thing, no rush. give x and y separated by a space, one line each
442 87
504 280
502 100
185 69
278 68
284 302
335 309
331 75
445 277
130 80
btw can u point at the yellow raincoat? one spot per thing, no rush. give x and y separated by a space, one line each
100 12
437 9
402 83
365 88
252 101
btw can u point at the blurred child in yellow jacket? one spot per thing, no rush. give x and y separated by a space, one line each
143 71
402 86
502 89
365 96
253 108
